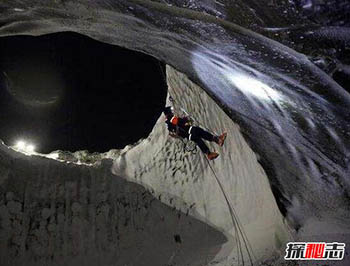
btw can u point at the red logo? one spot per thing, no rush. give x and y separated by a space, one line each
314 251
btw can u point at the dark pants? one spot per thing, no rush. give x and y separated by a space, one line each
197 135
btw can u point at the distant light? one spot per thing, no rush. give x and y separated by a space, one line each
53 155
22 146
30 148
18 9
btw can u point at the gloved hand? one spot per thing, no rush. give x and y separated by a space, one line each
188 121
172 134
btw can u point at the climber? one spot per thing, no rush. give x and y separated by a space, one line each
181 127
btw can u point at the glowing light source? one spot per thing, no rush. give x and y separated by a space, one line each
52 155
30 148
22 146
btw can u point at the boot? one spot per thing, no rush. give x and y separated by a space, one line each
221 139
212 155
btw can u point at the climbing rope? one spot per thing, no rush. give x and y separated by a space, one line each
236 224
162 72
189 146
240 234
317 151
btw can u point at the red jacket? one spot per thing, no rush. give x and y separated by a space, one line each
178 125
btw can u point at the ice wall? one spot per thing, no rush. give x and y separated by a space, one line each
294 115
55 213
185 179
304 141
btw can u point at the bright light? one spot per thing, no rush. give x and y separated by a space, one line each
255 87
25 147
20 145
53 155
30 148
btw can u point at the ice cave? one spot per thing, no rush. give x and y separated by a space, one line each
68 92
89 174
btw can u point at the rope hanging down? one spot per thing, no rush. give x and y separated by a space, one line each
240 234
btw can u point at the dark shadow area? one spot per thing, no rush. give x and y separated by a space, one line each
343 79
69 92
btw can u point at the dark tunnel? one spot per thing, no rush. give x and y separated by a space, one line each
66 91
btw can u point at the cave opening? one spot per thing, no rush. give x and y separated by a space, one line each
66 91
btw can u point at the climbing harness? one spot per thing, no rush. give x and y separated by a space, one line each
188 145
